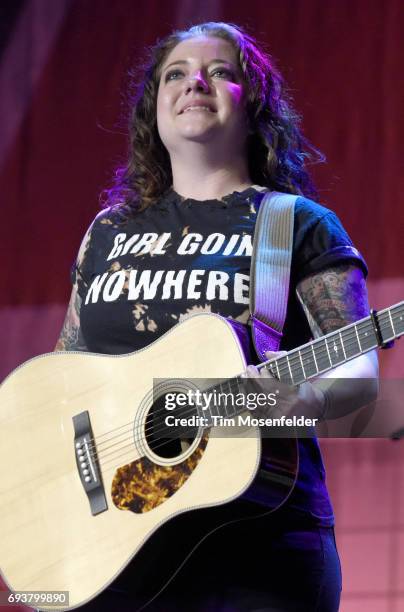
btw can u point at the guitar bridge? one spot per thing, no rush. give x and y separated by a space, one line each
87 463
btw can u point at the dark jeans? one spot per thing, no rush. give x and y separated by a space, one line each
269 564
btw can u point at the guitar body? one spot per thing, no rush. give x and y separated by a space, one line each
50 538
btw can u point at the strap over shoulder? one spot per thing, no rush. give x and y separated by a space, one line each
270 270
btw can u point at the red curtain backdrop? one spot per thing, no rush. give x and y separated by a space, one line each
63 78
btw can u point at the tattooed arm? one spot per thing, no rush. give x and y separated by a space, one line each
71 338
332 299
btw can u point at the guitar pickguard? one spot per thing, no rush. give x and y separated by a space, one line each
143 485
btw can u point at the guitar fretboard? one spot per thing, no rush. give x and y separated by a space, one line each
319 356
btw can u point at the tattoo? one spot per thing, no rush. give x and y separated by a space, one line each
71 338
333 298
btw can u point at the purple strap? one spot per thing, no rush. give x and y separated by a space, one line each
270 270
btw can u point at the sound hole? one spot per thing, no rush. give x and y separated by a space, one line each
169 433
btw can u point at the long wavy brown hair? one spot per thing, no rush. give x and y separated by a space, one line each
278 153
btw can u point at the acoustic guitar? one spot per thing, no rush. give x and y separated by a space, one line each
89 475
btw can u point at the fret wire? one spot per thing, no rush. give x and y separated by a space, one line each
271 366
281 365
232 384
357 337
400 319
290 371
363 326
320 350
384 318
394 309
396 314
366 325
342 344
310 350
388 330
271 369
392 324
210 414
397 307
353 330
321 344
294 357
392 312
335 340
296 362
322 341
389 322
350 337
386 326
314 356
220 388
330 367
328 351
301 361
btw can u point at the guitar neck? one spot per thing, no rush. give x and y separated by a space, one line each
338 347
323 354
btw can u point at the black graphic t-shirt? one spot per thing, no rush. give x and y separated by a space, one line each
179 257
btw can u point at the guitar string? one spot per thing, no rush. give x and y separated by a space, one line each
294 359
131 444
282 370
111 458
110 461
110 464
114 455
364 324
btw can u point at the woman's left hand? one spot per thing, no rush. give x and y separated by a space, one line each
292 400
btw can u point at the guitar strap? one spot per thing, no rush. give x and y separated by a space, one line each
270 270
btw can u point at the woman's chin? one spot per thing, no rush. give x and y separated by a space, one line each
202 134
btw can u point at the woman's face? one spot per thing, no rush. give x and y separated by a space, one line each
201 96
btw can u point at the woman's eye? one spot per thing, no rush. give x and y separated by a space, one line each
171 75
223 73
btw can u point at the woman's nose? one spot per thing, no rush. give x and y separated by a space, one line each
197 82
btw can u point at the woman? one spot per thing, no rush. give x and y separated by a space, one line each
211 126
